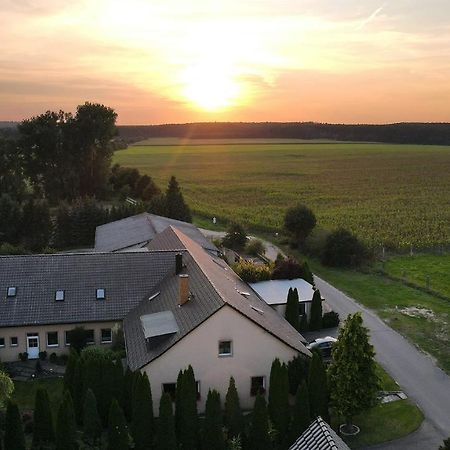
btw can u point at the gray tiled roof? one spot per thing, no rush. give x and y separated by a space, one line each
213 284
139 230
126 277
319 436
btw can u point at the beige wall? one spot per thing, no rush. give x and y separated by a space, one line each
254 349
8 353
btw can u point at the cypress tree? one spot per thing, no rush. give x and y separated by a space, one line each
188 437
303 326
301 417
315 317
66 433
166 438
212 425
297 372
307 274
179 404
14 438
77 393
234 419
175 204
92 426
259 438
69 374
142 422
43 432
279 398
127 394
292 313
118 437
317 388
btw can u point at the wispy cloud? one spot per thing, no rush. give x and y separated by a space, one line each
372 17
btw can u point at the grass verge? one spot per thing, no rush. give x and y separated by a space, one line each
25 392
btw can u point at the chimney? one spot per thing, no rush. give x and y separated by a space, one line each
184 289
178 263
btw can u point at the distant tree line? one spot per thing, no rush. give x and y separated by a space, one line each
399 133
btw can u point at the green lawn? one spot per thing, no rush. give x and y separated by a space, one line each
25 392
418 267
391 194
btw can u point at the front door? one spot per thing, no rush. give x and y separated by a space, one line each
33 346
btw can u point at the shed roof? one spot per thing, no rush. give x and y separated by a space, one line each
274 292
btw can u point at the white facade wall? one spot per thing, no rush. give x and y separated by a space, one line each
254 349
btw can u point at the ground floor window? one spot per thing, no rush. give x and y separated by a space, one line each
14 341
2 341
258 385
106 335
67 337
52 339
90 337
301 308
171 389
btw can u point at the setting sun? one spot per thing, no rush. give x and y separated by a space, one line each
210 88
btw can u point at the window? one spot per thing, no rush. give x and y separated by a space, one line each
225 348
90 338
106 335
171 389
301 308
100 294
258 385
197 385
2 342
52 339
67 337
12 291
13 341
59 295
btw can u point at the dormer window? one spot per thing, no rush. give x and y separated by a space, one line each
100 294
59 295
12 291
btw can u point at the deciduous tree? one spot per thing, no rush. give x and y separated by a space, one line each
299 221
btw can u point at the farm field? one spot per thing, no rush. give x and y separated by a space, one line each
392 195
418 267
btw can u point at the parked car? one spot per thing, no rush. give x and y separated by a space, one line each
324 345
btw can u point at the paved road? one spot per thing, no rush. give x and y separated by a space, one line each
415 372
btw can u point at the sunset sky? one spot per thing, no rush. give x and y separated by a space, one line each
159 61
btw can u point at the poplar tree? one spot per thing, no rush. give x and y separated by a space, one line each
166 437
301 415
317 388
176 207
92 426
14 437
292 313
118 437
259 438
66 432
234 420
43 432
353 379
315 316
142 422
212 424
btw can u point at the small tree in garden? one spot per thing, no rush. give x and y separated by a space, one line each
301 416
176 207
259 438
179 403
14 438
297 372
236 237
344 249
317 388
166 437
66 432
255 247
118 437
307 274
292 313
234 420
43 432
127 394
92 426
299 221
212 424
279 398
315 315
78 339
287 269
69 374
142 422
352 375
6 387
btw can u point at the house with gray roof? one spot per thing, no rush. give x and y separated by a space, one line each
135 232
177 303
319 436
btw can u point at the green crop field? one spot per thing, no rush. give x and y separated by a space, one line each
395 195
425 270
